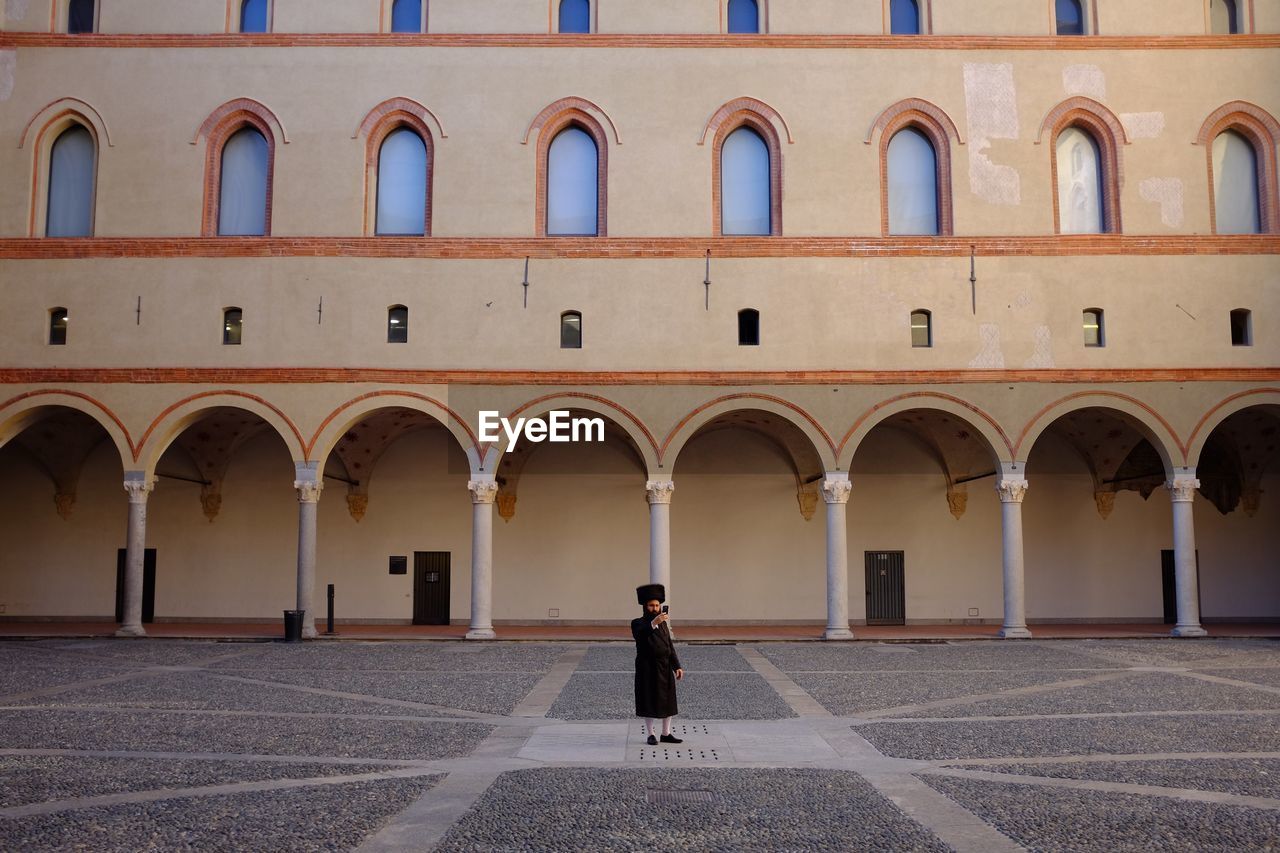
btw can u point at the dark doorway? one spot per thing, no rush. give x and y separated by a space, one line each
148 585
1168 581
431 587
886 589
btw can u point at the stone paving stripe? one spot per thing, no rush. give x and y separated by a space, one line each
955 825
492 720
255 758
1246 712
775 744
76 685
796 697
1110 758
539 700
975 698
1189 794
586 742
1218 679
339 694
207 791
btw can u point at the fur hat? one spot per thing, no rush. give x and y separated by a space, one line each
650 592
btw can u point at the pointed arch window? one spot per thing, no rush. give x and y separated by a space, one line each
745 194
575 16
904 17
81 15
571 330
57 327
242 191
748 327
72 164
403 179
912 164
921 328
1225 18
1081 193
232 326
255 16
397 324
1070 17
407 16
743 16
573 184
1235 185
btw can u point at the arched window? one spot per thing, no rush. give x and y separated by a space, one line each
904 17
573 184
406 16
58 327
1224 17
1235 185
242 194
71 178
397 324
80 16
571 330
1242 327
232 326
575 16
402 184
921 328
1081 205
745 199
1070 15
254 16
913 183
1094 334
744 16
748 327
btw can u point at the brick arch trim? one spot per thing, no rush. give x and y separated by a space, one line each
55 118
764 125
221 124
922 111
1262 131
937 126
390 106
1064 114
730 111
550 112
571 115
248 106
55 110
389 116
1109 134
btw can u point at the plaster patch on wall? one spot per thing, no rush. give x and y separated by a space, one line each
1024 299
991 357
991 108
15 10
1085 80
8 69
1143 125
1166 192
1042 355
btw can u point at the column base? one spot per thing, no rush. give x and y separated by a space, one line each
1188 631
481 634
309 632
1015 633
837 634
131 631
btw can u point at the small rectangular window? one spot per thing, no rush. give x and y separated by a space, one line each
571 330
232 326
397 325
748 328
921 329
1093 331
58 327
1242 328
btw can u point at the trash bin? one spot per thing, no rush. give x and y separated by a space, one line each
293 625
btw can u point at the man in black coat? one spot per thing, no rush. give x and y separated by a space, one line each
657 666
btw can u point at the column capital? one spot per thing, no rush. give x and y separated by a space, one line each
138 489
659 491
1012 490
836 490
308 491
1182 489
483 491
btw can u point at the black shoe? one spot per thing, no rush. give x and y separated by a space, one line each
671 739
652 741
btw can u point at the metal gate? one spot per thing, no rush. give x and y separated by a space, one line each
148 584
886 590
431 587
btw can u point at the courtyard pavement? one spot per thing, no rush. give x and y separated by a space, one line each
1104 745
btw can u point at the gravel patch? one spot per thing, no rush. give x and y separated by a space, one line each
1147 691
150 652
1062 819
700 695
1074 736
43 674
401 657
911 657
1171 652
1250 777
336 817
26 779
608 810
699 658
1267 676
174 731
849 693
486 693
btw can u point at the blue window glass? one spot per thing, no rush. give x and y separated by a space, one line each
744 16
253 16
1070 18
913 184
80 16
402 184
904 18
573 184
1235 185
575 16
744 184
406 16
242 197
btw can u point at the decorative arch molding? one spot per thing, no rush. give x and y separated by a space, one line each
173 420
380 114
1262 131
237 109
1109 134
984 424
219 127
914 110
732 110
1065 114
551 111
52 120
679 436
53 112
388 116
764 120
1223 410
566 113
339 421
18 413
937 126
1149 422
640 434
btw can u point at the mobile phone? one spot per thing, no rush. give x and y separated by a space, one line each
666 608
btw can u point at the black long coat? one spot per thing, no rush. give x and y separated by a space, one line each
656 665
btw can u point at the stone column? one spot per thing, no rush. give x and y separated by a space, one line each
1182 491
835 491
658 494
1012 489
483 494
309 486
139 488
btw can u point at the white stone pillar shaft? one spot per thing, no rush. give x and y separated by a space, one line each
309 488
138 488
1182 492
835 491
1012 490
658 494
483 494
